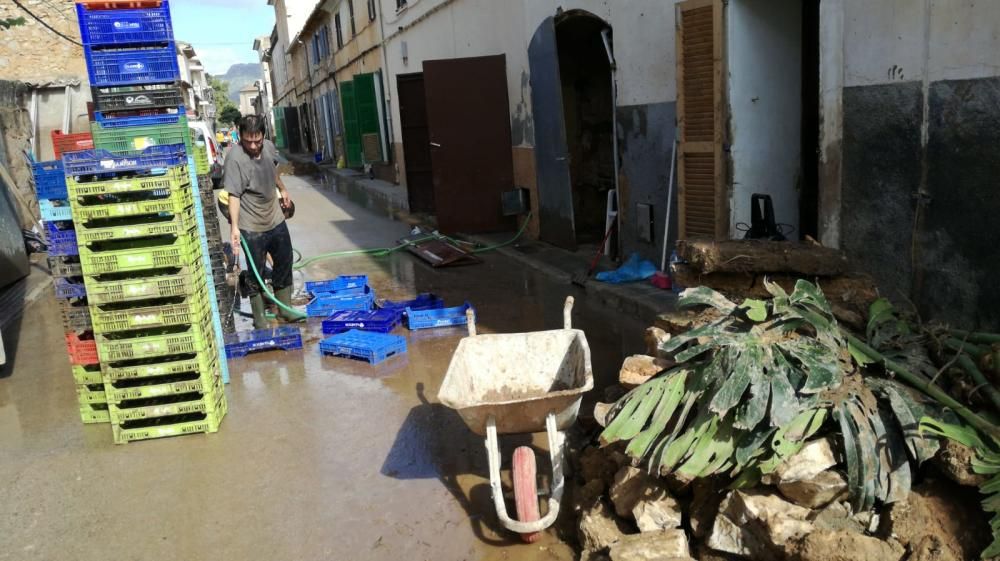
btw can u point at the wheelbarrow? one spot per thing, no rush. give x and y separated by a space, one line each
520 383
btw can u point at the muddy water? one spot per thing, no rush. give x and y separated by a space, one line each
319 457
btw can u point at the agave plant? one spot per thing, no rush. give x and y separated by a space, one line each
749 388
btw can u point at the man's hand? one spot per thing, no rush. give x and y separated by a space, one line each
234 240
286 200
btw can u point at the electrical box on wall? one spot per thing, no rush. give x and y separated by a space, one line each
644 222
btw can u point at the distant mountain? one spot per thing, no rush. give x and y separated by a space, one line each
240 75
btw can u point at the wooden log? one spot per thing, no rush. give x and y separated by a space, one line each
638 369
762 256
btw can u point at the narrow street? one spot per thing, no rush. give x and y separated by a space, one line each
318 456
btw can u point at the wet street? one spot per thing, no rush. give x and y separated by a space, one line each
318 458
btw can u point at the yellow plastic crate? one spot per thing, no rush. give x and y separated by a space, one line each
176 177
194 338
162 427
162 225
87 374
185 251
92 413
186 280
150 368
90 393
193 310
172 202
208 403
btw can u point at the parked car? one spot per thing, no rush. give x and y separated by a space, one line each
204 133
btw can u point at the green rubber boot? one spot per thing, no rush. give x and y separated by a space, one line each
259 316
284 295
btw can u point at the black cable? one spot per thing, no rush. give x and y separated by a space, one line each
47 26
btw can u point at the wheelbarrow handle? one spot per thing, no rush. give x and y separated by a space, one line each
568 313
555 452
470 317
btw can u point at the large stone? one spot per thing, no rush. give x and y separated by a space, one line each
659 513
838 516
665 545
834 545
813 459
645 499
655 338
638 369
954 459
599 528
757 525
815 492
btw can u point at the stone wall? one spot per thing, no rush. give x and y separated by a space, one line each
32 53
15 130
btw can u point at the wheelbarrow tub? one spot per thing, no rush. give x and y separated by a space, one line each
518 379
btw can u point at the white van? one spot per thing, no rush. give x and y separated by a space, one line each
204 133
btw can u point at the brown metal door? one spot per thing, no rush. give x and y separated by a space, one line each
469 121
416 142
702 208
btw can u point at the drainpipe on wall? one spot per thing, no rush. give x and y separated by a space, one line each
606 37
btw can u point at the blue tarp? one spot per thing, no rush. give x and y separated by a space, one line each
634 269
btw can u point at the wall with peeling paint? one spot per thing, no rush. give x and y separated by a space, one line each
920 124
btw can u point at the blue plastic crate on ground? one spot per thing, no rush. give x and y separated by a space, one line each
326 303
382 321
50 180
364 345
440 317
99 162
343 282
152 118
69 287
423 301
55 210
242 343
61 238
125 26
132 66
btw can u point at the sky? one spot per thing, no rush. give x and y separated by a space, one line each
222 31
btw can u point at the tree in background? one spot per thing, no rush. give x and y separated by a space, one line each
230 115
226 109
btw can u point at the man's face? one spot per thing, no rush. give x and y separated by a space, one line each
252 144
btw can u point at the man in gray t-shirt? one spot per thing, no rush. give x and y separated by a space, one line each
256 199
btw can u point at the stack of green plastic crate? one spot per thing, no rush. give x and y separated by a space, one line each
141 257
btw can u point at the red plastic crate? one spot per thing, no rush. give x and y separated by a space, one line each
82 348
73 142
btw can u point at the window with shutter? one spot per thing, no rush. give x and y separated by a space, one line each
338 31
350 10
702 206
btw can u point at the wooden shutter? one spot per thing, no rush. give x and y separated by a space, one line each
352 134
702 206
366 102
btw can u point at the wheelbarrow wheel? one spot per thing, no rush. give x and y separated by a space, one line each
526 489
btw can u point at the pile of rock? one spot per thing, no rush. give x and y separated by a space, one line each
800 512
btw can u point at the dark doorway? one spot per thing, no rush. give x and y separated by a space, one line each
809 187
468 118
416 142
294 132
588 103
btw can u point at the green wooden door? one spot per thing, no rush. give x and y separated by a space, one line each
366 101
352 132
279 127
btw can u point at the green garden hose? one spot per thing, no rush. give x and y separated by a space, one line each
263 287
377 252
